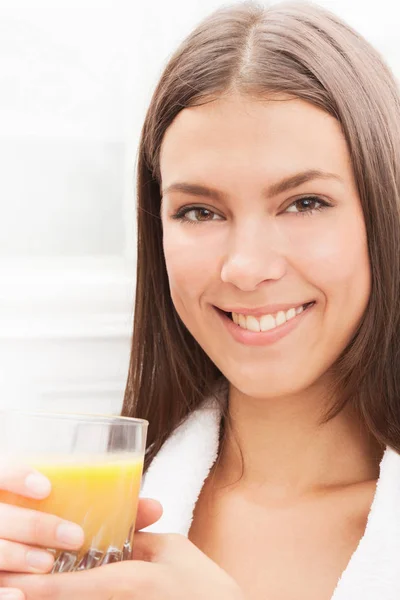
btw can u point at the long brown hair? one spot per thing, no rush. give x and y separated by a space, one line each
306 52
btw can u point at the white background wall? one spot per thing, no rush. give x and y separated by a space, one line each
75 79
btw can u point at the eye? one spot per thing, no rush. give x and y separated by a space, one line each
307 205
196 214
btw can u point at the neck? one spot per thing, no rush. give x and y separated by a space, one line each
280 446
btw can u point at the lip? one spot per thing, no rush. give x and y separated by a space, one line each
268 309
262 338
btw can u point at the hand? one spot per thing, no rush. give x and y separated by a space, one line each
25 533
165 567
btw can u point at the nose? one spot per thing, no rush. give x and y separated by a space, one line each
255 254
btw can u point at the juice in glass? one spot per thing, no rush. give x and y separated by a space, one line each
94 464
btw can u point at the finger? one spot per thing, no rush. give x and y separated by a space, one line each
149 512
20 558
9 593
24 481
117 580
38 528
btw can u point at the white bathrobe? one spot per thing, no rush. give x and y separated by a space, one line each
178 472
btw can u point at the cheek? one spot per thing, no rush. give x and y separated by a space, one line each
335 259
190 266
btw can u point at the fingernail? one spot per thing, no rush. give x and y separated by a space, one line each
39 560
11 595
38 484
69 533
152 502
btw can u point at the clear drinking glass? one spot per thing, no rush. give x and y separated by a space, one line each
95 465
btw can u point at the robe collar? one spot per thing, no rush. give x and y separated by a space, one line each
178 472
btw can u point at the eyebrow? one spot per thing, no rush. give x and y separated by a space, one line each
274 189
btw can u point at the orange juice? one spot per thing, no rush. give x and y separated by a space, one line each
100 494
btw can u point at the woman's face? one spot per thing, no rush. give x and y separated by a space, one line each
261 216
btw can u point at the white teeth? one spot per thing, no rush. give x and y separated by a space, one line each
242 321
280 318
290 314
252 324
266 322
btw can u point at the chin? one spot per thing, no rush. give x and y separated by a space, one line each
262 386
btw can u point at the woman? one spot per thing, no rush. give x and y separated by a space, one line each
266 338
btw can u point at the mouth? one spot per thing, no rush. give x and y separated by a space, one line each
230 315
266 329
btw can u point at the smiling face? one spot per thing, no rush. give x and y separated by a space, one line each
236 238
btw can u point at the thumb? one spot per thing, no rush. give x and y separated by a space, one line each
149 512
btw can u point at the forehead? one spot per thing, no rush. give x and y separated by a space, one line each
238 136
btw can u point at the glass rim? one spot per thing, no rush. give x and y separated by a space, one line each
89 418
